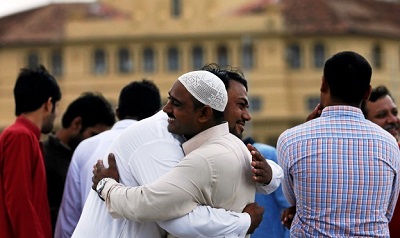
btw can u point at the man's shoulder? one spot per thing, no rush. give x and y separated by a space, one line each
17 131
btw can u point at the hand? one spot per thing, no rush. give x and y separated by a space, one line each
256 213
100 172
315 113
287 216
262 172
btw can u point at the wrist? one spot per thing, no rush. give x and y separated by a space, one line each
100 186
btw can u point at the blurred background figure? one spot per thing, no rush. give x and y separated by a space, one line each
273 203
24 210
86 116
382 110
137 100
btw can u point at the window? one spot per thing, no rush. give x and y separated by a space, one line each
319 55
222 56
255 104
148 58
33 60
293 56
197 57
247 56
100 64
124 61
376 57
56 63
312 102
173 59
176 8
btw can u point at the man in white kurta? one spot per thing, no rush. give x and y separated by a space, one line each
216 171
79 177
203 179
145 151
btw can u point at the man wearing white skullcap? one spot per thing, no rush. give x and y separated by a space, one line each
216 170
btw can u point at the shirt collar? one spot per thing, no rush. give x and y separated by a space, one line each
123 124
30 125
202 137
342 110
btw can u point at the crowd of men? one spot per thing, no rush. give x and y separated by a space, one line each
186 171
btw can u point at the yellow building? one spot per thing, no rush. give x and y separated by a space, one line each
279 45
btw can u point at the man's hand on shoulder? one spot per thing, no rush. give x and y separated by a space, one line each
256 213
262 172
100 172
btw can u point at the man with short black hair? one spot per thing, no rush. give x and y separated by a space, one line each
86 116
137 100
24 208
341 170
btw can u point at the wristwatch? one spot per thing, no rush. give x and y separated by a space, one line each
100 187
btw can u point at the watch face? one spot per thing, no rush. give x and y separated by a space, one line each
100 185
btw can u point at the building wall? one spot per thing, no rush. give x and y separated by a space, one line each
284 93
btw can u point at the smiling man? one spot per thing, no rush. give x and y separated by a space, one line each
382 110
149 150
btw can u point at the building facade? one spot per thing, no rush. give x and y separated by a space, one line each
280 46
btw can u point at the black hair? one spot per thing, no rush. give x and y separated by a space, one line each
93 108
376 93
33 88
139 100
348 76
225 75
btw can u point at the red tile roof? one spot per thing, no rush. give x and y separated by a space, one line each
46 24
371 17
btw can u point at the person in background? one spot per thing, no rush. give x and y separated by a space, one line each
273 203
86 116
336 154
24 209
381 109
137 100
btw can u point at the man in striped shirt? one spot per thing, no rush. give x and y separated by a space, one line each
341 170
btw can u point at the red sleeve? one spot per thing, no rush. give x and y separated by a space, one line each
20 162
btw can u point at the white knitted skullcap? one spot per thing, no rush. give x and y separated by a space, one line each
207 88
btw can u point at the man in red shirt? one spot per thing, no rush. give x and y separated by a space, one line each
24 210
382 110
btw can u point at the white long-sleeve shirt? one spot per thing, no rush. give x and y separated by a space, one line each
79 178
144 152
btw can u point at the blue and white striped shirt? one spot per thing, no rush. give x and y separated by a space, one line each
341 172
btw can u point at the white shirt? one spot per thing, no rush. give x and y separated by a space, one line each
144 152
79 178
215 171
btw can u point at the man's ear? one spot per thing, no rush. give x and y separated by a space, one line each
76 124
324 86
48 105
206 113
367 93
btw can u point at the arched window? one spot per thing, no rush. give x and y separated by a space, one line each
57 62
319 55
100 62
293 56
148 60
376 57
176 8
197 57
173 59
222 56
124 61
247 56
33 60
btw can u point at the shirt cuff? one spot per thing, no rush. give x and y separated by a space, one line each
245 222
106 193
